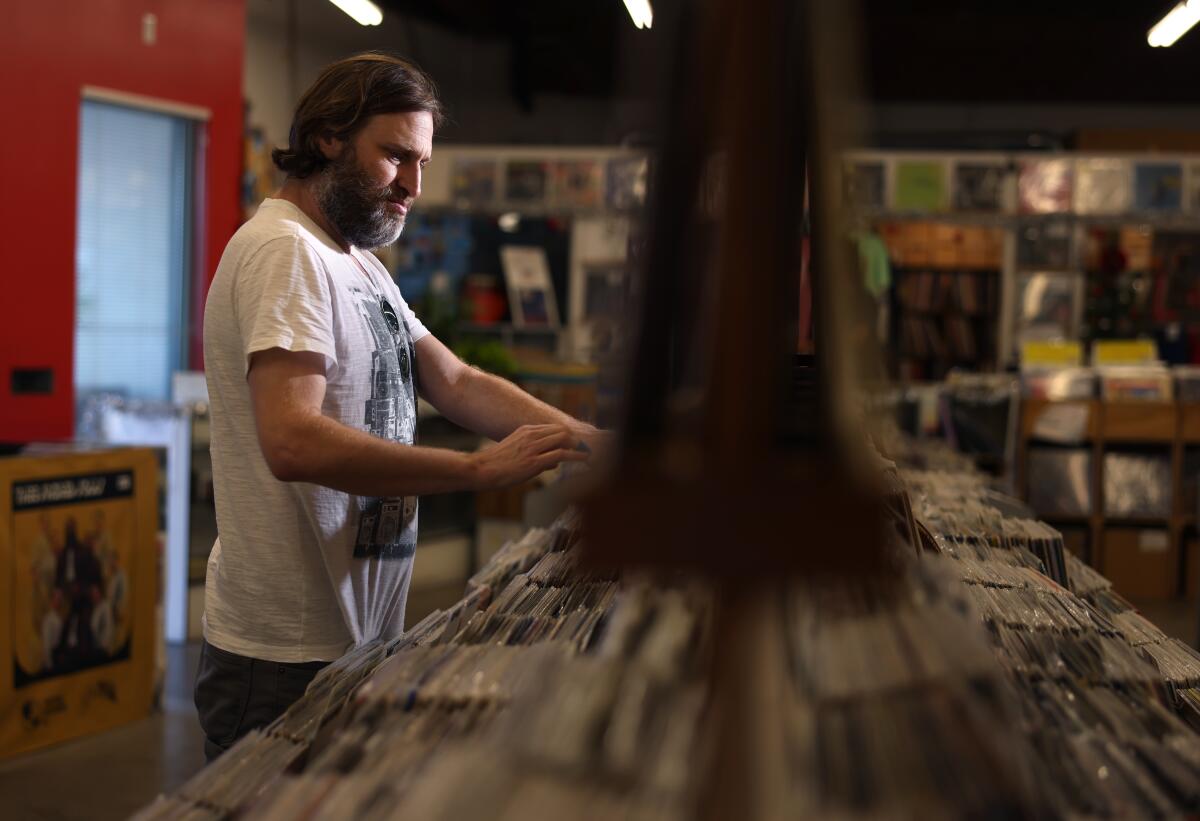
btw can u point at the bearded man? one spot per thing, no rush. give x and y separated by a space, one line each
314 362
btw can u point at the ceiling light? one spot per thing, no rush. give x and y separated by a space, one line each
1178 20
641 13
364 12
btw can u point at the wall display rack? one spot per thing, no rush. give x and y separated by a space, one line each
1043 206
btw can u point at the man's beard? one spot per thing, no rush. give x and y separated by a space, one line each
357 208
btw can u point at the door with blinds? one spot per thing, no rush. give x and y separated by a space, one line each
133 250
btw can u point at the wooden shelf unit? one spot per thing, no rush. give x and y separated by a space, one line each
1171 427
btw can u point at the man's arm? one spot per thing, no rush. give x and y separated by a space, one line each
486 404
300 444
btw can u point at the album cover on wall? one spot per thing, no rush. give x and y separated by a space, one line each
1102 186
530 290
979 186
525 182
865 184
474 182
578 184
920 185
1158 186
627 181
1193 188
1045 186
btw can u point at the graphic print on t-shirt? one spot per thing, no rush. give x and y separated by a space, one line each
387 527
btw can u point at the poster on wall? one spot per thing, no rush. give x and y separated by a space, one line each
1158 186
530 290
474 182
78 617
578 184
920 185
1046 186
525 182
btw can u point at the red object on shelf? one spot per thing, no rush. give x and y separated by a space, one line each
483 301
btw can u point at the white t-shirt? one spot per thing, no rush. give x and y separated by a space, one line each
301 572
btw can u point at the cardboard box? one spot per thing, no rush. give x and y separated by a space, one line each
78 578
1141 563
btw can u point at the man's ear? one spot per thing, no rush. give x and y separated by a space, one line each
330 146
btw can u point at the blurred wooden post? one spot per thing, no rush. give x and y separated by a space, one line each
720 490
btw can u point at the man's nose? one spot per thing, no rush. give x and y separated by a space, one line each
409 181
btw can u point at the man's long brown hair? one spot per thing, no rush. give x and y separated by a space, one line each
344 97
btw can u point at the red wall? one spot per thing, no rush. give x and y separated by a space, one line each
48 51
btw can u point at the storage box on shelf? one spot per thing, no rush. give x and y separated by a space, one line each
1137 541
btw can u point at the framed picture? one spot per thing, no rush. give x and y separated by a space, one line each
530 291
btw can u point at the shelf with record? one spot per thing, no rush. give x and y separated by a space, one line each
1087 230
995 662
946 317
1105 467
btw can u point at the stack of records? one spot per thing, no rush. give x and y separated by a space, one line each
994 676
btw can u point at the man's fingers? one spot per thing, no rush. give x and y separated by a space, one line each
556 435
554 457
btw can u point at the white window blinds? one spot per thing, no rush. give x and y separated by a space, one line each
132 249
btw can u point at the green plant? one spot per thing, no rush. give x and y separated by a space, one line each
488 355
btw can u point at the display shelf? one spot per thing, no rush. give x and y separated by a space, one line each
1037 419
1139 521
1139 422
1189 413
1066 518
1167 428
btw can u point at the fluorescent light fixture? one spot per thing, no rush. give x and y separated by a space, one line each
1176 24
641 13
364 12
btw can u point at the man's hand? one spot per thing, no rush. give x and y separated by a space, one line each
525 453
600 443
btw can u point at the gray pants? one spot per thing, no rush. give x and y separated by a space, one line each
236 694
